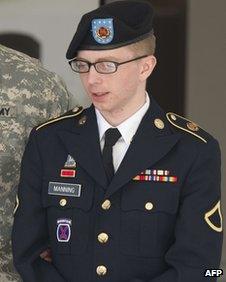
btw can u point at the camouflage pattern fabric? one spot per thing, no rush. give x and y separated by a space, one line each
29 95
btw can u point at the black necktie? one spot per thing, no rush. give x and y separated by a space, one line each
111 137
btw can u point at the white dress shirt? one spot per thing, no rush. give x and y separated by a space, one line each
127 129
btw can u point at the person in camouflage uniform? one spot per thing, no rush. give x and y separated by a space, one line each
29 95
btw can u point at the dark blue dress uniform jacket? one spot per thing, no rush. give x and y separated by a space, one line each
156 231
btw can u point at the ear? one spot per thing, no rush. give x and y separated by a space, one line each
147 66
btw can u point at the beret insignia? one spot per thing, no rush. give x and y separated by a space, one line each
102 30
186 125
216 210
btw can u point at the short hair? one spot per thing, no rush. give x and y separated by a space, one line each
145 46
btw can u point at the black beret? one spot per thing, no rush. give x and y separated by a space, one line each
112 26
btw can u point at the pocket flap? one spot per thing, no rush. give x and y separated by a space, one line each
150 199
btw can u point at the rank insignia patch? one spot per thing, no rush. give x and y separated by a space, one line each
157 175
103 31
63 232
209 218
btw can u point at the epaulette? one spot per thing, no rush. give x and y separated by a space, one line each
187 125
72 113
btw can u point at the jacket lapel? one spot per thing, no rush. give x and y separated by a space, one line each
149 145
82 143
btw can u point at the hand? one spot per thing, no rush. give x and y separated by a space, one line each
46 255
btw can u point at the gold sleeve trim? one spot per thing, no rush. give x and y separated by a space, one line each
17 205
217 208
59 118
174 124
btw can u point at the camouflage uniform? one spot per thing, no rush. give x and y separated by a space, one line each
29 95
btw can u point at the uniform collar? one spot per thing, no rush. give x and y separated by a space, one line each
127 128
149 145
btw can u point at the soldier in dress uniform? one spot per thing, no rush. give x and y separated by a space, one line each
121 191
29 95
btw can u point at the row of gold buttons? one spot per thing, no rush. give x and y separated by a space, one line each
107 204
101 270
103 238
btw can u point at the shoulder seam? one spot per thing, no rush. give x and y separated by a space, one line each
184 129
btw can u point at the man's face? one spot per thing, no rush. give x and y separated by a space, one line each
117 91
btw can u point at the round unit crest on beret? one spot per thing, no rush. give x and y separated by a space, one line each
112 26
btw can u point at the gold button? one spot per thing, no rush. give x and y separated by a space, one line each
63 202
159 123
82 120
106 205
192 126
103 238
149 206
173 117
101 270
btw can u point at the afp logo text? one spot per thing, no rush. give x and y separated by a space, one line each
213 272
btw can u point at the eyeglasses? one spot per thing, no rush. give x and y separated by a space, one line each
104 67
